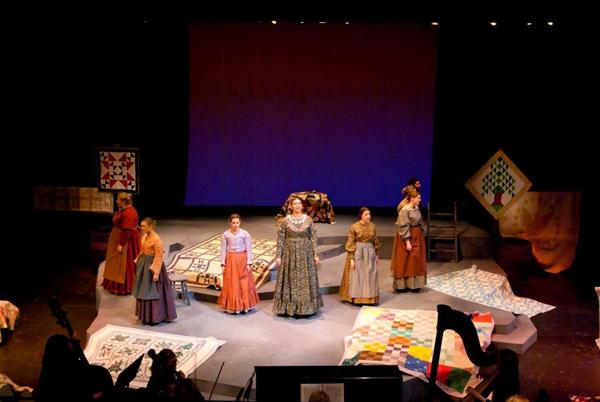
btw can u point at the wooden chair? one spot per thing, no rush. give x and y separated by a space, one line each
442 233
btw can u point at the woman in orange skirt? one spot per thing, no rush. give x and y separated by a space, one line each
409 260
238 293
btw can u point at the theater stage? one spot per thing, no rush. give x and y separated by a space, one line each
262 338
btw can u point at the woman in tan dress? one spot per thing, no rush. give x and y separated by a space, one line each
360 283
409 261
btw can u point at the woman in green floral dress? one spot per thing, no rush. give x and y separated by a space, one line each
297 286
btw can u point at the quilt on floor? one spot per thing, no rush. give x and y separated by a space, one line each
201 263
406 338
115 348
485 288
498 184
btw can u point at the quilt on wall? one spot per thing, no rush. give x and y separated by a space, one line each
406 338
201 263
115 347
485 288
80 199
118 170
498 184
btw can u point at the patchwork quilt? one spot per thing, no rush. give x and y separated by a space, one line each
406 338
485 288
201 263
115 348
498 184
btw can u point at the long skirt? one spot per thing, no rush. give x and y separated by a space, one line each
409 268
119 269
155 302
361 284
297 286
238 292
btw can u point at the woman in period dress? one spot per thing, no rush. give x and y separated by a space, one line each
360 283
409 261
297 286
238 293
155 302
123 246
413 183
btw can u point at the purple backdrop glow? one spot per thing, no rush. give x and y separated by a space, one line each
342 109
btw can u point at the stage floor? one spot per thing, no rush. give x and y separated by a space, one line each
262 338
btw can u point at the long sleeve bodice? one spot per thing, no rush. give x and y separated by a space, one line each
127 221
293 229
152 245
238 242
364 233
407 218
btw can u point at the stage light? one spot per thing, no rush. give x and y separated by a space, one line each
529 24
302 22
493 23
550 23
347 22
273 22
322 22
435 23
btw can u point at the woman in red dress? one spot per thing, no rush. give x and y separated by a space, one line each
123 246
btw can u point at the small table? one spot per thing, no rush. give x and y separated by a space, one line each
179 286
9 315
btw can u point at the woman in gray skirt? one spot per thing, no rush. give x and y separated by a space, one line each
297 286
360 283
152 290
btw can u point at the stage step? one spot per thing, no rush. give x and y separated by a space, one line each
520 339
330 250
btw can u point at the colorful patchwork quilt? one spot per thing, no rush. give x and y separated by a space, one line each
498 184
485 288
201 263
115 348
406 338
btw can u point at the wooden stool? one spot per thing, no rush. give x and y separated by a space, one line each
179 286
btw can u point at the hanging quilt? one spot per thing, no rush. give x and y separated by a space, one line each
498 184
118 170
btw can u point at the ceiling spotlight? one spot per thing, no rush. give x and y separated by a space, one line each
529 24
322 22
550 23
493 23
347 22
435 23
273 22
302 22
